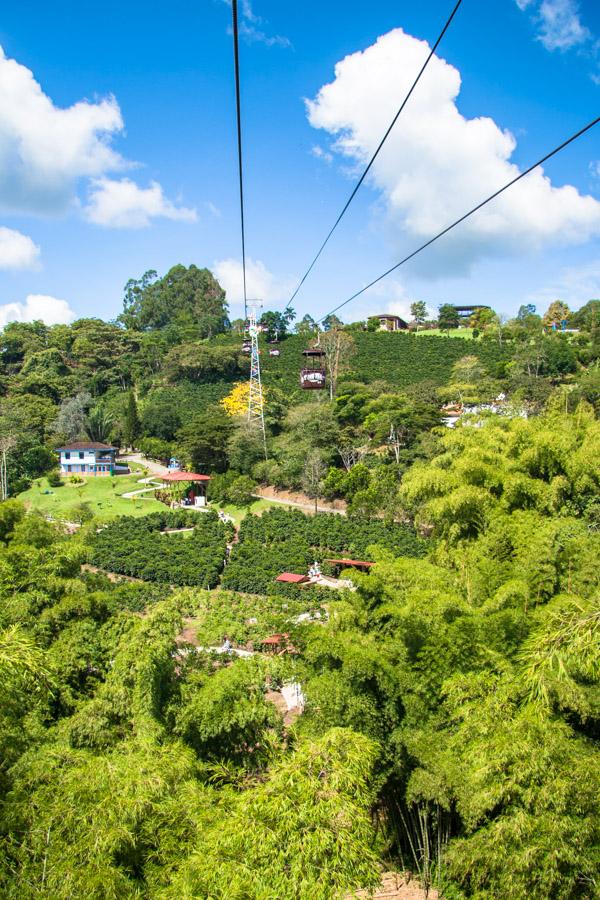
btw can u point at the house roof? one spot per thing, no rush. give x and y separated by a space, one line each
291 578
86 445
389 316
351 562
275 639
184 476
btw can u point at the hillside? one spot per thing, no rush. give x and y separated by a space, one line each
400 359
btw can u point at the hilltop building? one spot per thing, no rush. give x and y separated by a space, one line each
87 458
465 312
388 322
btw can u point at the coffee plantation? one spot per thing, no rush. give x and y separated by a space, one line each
143 548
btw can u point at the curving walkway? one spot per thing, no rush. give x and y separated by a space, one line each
129 495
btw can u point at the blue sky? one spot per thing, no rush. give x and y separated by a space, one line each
118 151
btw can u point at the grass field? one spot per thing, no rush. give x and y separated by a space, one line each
466 333
238 513
103 495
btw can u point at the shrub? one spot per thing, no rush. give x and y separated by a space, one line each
283 540
139 548
54 478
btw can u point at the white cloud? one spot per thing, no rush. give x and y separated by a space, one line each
50 310
251 31
17 251
213 209
574 285
319 153
595 168
46 151
558 22
437 164
261 284
122 204
393 297
560 25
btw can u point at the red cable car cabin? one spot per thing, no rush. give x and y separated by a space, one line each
313 375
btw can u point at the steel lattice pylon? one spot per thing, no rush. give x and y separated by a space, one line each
256 412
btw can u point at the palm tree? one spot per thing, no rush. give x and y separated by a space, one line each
98 425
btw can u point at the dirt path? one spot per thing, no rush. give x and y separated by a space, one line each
300 500
154 467
396 886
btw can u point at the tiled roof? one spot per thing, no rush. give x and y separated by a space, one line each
184 476
291 578
87 445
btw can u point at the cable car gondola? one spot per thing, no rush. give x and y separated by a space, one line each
246 347
313 375
274 351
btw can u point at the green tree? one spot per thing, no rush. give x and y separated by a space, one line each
448 317
204 438
132 427
184 296
277 323
556 313
99 423
418 311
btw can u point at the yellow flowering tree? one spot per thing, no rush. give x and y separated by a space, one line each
236 402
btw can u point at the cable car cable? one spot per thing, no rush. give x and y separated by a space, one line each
376 154
236 63
479 206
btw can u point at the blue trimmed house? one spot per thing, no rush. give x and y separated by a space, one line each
87 458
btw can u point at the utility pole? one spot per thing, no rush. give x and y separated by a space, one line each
256 412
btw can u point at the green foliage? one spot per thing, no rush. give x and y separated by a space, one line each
302 834
140 548
183 297
224 715
131 424
289 541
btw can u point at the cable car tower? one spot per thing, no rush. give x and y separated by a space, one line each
256 412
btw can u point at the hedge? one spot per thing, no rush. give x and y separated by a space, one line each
284 540
136 547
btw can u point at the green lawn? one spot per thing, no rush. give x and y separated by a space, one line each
466 333
103 494
238 513
105 500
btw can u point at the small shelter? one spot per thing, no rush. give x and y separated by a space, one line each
465 312
344 563
292 578
194 487
277 643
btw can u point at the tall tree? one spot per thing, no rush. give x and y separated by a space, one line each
276 324
183 297
71 420
418 311
132 427
448 317
556 313
313 475
339 347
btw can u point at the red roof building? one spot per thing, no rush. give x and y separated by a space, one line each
357 563
184 476
292 578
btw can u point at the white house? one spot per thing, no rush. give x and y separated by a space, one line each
87 458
